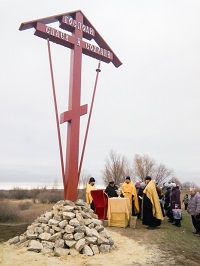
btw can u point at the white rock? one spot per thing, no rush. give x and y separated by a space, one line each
35 245
44 236
68 215
87 251
63 223
53 222
80 244
74 222
69 229
70 243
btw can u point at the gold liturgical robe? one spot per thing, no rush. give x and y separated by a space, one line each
89 198
129 190
150 191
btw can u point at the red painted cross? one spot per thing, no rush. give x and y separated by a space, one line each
80 27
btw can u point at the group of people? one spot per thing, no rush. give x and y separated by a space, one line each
172 203
150 203
144 200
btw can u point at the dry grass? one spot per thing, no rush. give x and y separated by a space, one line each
21 211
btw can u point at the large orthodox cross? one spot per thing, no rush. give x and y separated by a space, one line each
80 28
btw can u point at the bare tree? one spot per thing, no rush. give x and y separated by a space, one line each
188 185
175 180
143 166
84 178
116 168
161 172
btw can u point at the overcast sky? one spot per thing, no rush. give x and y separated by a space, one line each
149 105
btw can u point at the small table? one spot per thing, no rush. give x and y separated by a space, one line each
119 212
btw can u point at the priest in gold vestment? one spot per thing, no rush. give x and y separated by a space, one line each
90 186
152 212
129 191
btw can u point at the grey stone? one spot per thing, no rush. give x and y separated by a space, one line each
46 229
111 241
87 251
80 202
54 237
44 236
68 215
91 240
79 217
35 246
57 229
68 208
99 228
96 221
47 244
94 249
43 220
104 248
88 231
58 217
48 215
47 250
38 230
69 229
91 225
78 236
59 243
74 222
86 215
14 240
80 244
80 229
53 222
70 243
63 223
68 236
104 233
87 221
31 236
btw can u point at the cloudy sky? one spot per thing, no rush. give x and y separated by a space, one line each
149 105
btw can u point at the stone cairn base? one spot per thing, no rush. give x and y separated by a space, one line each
69 228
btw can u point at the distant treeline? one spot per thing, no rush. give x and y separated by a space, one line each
42 195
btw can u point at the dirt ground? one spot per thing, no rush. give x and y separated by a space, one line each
127 252
133 247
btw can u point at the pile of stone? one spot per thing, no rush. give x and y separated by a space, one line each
69 228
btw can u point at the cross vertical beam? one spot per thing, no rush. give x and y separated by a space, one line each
72 151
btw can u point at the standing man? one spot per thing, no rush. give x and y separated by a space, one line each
90 186
194 210
111 190
152 213
129 191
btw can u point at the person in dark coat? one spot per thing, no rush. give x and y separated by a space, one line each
167 200
152 213
111 189
175 203
140 197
